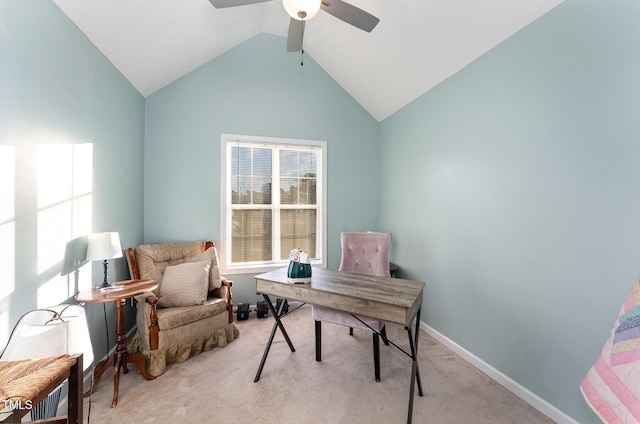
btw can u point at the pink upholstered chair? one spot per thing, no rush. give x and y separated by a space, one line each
362 253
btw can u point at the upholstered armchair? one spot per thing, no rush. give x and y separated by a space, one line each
192 309
362 253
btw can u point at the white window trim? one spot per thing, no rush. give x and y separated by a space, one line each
226 140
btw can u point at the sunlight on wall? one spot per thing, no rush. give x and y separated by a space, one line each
54 179
7 232
53 231
64 180
7 220
84 280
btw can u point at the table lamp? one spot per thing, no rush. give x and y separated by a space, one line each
103 246
52 331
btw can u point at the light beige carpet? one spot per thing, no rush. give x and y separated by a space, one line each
217 386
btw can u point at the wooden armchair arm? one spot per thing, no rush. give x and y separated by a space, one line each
229 297
152 300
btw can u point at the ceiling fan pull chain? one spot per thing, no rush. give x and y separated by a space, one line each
301 57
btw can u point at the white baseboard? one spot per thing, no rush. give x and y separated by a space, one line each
517 389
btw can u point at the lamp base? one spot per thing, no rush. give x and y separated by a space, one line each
105 282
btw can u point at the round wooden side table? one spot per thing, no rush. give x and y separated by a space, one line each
118 293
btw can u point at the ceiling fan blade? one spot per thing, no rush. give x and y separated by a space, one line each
220 4
350 14
294 38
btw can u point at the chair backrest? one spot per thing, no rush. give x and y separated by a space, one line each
148 261
366 253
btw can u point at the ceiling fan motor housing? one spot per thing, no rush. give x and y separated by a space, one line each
302 10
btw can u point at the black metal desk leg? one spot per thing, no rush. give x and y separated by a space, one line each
415 370
276 315
416 356
277 324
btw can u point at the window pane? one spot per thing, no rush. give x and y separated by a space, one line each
251 235
261 190
250 190
240 190
288 163
298 185
250 176
298 191
298 230
307 195
262 162
240 160
289 191
307 164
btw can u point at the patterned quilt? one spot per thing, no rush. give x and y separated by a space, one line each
612 385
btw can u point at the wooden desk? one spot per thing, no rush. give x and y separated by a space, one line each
129 288
390 299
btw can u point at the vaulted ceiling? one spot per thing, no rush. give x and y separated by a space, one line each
416 45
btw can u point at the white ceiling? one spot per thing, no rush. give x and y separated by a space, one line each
416 45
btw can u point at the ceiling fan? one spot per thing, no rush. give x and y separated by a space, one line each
303 10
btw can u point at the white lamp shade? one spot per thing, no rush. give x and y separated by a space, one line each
53 331
302 10
104 246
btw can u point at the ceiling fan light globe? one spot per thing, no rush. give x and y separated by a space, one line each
302 10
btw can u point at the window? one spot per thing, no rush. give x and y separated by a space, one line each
273 200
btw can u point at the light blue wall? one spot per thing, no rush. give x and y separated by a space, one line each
255 89
512 190
56 88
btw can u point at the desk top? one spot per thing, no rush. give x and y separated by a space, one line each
390 299
121 290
